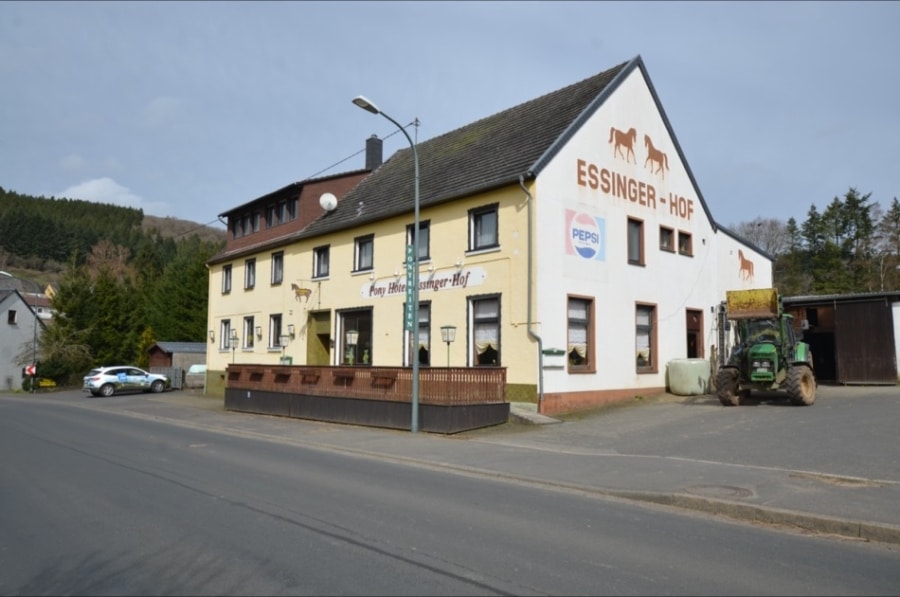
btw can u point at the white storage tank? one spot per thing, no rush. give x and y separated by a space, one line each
689 377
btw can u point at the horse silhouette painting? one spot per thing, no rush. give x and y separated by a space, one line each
657 159
623 139
746 266
301 292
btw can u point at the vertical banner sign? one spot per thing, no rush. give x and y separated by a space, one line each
409 316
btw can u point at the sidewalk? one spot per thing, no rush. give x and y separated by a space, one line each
574 456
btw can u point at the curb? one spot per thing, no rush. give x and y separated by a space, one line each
822 525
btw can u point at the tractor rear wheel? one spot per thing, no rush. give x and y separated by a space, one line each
801 385
727 387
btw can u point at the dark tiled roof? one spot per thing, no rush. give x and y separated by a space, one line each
486 154
182 347
890 295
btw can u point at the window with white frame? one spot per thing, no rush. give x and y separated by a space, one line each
423 339
580 334
277 267
364 253
249 337
483 228
226 279
225 334
275 330
485 314
424 239
249 274
321 261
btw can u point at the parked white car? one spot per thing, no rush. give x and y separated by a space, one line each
106 381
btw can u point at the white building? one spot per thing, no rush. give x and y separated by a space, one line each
565 238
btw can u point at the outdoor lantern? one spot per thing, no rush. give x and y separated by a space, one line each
448 335
352 339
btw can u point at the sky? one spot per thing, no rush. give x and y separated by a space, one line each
188 109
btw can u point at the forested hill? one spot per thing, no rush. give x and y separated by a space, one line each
44 234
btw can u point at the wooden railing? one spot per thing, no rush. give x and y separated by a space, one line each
437 385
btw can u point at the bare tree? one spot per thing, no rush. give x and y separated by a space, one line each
768 234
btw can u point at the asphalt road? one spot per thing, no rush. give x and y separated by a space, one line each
170 494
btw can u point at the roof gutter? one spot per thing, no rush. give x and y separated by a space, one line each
528 292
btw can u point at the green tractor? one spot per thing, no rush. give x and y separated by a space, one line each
759 350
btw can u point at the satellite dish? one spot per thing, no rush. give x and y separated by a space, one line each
328 201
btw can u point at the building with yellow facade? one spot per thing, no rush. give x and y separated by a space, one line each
564 239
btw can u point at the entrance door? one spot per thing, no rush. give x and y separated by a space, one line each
694 328
318 340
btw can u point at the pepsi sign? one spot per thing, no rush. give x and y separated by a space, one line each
585 236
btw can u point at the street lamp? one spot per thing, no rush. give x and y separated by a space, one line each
234 342
34 318
448 335
413 328
352 339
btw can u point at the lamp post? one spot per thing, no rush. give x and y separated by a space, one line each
234 342
34 318
448 335
413 327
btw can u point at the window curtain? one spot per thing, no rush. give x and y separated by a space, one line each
486 337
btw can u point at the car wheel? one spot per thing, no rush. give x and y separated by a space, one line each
107 390
157 386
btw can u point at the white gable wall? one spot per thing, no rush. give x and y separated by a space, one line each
584 199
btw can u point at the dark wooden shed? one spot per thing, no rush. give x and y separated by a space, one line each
179 355
853 337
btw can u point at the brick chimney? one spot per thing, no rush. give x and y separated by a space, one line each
373 152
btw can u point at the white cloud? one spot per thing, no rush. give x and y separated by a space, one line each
107 190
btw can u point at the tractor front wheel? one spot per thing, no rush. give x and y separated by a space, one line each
727 390
801 385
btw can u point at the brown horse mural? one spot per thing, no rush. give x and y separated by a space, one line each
655 156
301 292
623 139
746 272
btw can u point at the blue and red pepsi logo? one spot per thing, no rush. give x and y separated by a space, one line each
585 236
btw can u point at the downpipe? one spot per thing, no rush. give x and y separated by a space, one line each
530 321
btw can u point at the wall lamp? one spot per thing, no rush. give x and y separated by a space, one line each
212 336
291 330
259 332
